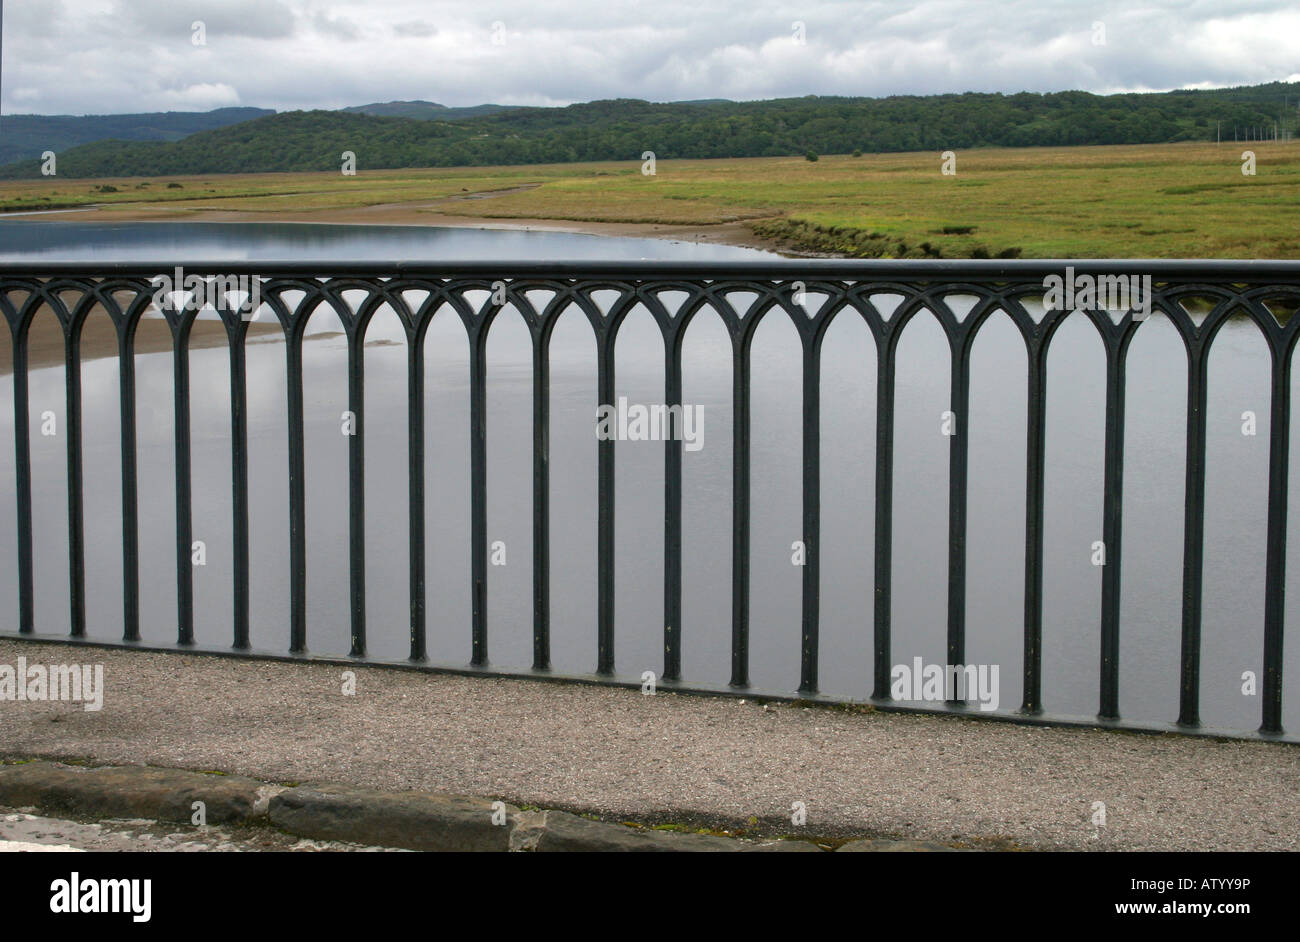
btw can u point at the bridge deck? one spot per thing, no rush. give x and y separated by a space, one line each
669 757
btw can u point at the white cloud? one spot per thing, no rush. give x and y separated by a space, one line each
78 56
200 97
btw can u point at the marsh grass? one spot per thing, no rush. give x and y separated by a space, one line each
1162 201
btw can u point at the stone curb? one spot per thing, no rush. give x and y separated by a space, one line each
560 831
133 792
412 820
441 822
427 821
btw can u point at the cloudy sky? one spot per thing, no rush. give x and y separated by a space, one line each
104 56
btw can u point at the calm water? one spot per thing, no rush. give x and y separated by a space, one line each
69 240
1235 516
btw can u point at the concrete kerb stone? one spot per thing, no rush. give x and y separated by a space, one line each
438 822
413 820
561 831
889 847
427 821
132 792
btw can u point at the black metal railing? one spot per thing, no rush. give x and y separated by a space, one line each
1265 292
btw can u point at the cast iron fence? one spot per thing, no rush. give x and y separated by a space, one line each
1265 292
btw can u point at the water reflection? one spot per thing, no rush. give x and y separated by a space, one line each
226 241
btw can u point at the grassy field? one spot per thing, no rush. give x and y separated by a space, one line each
1172 200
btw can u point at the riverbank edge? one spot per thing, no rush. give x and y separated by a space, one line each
425 214
411 820
778 233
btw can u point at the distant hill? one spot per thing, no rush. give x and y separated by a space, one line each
623 129
26 136
423 110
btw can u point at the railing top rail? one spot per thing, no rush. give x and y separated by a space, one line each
984 270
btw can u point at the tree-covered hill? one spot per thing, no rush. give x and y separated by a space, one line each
428 110
623 129
27 136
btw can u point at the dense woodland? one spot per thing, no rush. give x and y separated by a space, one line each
25 136
623 129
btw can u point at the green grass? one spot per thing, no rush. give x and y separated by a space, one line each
1168 200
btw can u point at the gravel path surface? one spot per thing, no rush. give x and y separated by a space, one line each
690 759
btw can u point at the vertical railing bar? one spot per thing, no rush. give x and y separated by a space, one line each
541 498
415 489
958 462
605 512
130 482
184 512
811 512
1275 580
23 481
1193 541
478 491
1035 466
357 486
76 495
740 509
239 483
884 512
1112 522
672 509
297 491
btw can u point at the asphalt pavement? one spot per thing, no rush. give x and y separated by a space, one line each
670 758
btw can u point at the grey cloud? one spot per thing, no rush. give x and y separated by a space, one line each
72 57
250 19
336 26
417 28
